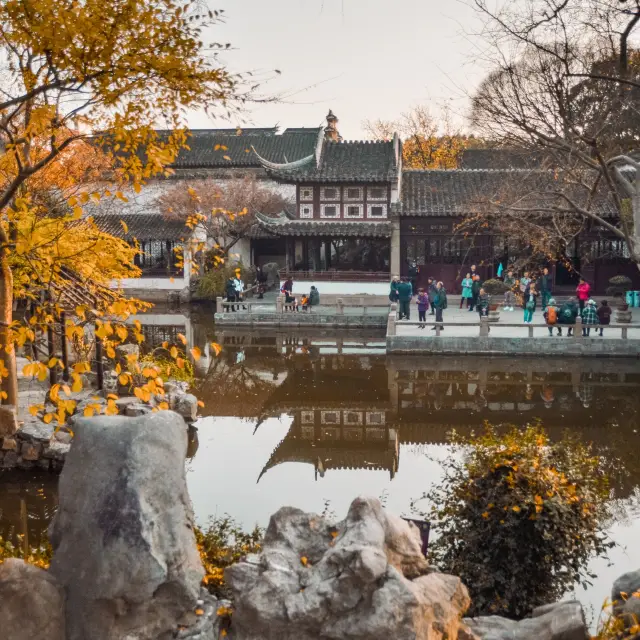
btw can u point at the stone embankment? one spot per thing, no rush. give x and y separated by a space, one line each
126 566
36 445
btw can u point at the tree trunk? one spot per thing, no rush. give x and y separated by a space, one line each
8 354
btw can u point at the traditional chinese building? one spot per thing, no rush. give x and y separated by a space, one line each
339 236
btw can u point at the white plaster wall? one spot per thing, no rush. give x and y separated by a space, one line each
160 284
340 288
241 252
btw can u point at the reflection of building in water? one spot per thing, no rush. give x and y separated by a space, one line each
333 438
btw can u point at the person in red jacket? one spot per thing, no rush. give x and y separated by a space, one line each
584 293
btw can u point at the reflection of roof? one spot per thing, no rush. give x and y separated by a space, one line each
220 148
285 226
334 456
143 227
458 192
351 161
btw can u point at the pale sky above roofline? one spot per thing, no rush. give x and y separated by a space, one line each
364 59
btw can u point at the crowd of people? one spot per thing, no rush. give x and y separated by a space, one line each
526 292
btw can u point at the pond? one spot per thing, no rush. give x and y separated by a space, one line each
314 419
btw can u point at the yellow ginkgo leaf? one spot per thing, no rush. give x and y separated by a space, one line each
182 338
196 353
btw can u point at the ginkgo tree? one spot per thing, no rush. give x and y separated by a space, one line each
70 69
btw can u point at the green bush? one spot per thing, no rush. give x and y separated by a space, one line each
222 543
494 287
212 284
517 517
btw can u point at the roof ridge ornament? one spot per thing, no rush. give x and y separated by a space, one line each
287 166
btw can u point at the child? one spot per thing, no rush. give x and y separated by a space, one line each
604 315
304 301
551 316
423 305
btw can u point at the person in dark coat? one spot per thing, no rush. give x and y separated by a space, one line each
423 305
413 272
261 280
568 314
475 291
314 297
230 292
544 287
440 303
393 289
482 304
405 293
604 315
431 292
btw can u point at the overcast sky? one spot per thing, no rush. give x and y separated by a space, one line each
361 58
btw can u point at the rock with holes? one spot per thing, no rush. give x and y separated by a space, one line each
364 578
31 603
124 547
625 596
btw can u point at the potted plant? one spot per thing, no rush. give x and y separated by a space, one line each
494 288
618 287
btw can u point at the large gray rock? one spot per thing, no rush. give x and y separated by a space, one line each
365 578
37 431
560 621
625 596
187 406
123 541
31 603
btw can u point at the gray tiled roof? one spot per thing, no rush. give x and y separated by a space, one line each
357 161
285 226
235 149
460 192
500 159
141 226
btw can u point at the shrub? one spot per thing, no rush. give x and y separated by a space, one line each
619 285
221 544
517 517
38 556
212 283
494 287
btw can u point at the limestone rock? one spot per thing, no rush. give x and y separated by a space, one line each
124 547
364 578
56 450
136 410
126 401
8 420
10 460
30 451
124 350
9 444
63 437
625 596
31 603
37 431
187 406
560 621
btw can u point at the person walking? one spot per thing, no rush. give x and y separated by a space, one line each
583 291
482 304
423 305
568 314
475 291
509 296
431 292
544 287
440 303
393 289
589 317
604 315
405 293
551 316
529 303
467 294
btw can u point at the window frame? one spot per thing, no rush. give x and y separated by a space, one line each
358 198
382 198
304 198
360 215
385 212
323 194
323 209
302 215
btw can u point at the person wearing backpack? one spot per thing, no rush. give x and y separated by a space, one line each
604 314
551 314
568 315
530 302
405 293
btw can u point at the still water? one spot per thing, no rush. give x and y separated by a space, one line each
315 419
